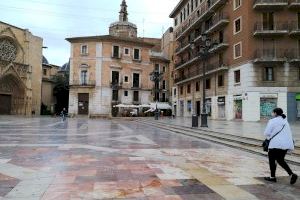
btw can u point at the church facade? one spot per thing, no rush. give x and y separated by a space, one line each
112 69
20 71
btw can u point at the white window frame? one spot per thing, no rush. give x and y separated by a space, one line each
87 76
125 48
237 83
126 92
115 70
112 50
241 25
235 7
127 79
139 78
241 50
140 53
81 49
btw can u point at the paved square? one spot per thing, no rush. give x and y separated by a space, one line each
44 158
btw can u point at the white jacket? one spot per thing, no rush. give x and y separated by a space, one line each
284 140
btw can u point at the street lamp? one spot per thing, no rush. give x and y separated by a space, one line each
203 54
156 77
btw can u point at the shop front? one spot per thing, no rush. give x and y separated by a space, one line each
238 107
221 107
267 104
208 106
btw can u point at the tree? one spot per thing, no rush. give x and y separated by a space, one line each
61 91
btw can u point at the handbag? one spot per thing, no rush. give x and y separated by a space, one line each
266 142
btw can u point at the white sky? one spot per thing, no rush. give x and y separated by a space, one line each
55 20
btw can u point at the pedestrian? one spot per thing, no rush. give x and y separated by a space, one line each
280 144
63 114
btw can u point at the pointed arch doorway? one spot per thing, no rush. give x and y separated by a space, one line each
12 96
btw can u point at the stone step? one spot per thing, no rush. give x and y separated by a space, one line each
243 145
240 139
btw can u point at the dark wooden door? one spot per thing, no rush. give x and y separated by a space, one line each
83 104
198 108
5 104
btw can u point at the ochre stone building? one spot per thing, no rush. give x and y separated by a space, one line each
49 72
111 69
254 65
20 71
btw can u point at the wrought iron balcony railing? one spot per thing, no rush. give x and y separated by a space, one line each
218 22
206 10
270 55
294 4
267 4
293 55
198 71
78 83
276 28
295 28
116 85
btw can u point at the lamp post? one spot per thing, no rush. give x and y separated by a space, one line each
204 53
156 77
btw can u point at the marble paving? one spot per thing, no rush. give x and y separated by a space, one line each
82 159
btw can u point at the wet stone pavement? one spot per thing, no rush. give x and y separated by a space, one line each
44 158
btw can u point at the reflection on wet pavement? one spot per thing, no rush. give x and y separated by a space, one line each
44 158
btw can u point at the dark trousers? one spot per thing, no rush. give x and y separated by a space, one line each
278 155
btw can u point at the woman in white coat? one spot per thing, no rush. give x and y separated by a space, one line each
280 144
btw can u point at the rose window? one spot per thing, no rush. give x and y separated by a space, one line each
8 50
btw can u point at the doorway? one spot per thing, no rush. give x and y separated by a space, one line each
83 103
198 108
5 104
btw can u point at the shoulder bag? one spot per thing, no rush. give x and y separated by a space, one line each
266 142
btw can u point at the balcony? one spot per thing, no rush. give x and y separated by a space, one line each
276 29
116 86
198 72
203 13
294 56
116 57
270 4
187 62
218 23
270 55
294 4
220 46
136 88
295 29
184 46
78 83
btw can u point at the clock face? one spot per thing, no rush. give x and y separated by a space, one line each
8 50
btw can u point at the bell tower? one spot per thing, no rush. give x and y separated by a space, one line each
123 12
123 28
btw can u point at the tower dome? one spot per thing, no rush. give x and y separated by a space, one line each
123 28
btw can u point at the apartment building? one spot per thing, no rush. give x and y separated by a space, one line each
254 65
113 69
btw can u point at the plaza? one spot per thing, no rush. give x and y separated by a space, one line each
45 158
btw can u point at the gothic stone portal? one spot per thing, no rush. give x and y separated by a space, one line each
12 96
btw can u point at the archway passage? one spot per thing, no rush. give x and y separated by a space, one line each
12 96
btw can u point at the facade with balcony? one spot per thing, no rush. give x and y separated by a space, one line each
253 66
110 69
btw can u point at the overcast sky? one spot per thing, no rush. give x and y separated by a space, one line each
55 20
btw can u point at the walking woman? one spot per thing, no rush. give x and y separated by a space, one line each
280 144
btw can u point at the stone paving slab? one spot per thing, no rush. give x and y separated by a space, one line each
82 159
245 129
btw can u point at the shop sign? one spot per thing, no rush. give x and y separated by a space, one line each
237 97
298 97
